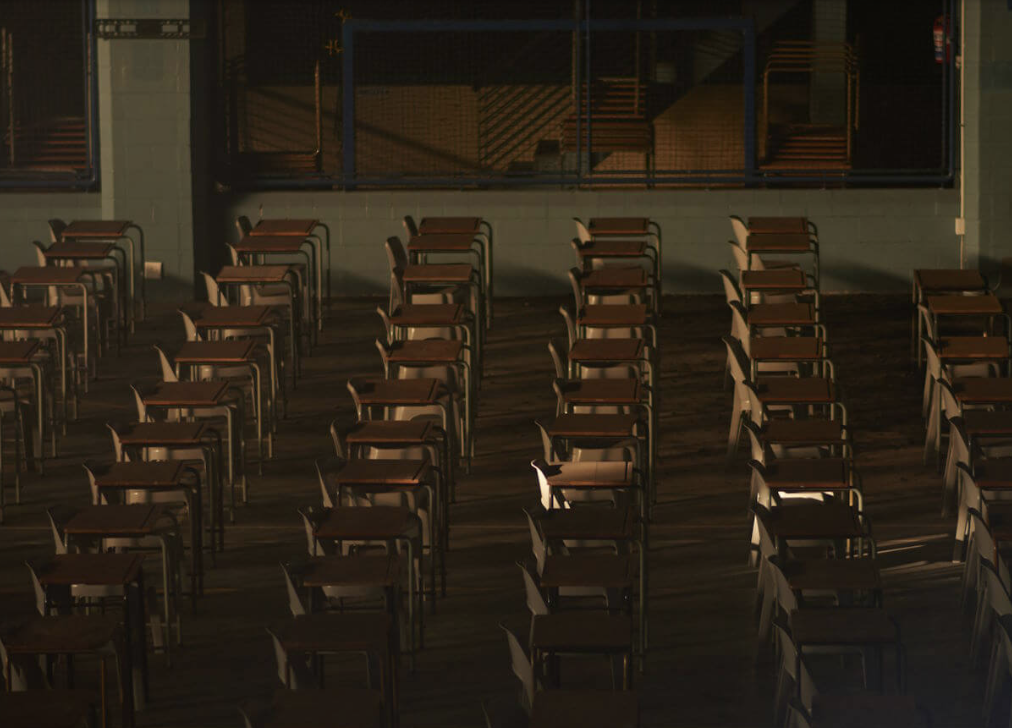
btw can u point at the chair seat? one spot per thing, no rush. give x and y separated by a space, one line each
807 474
833 574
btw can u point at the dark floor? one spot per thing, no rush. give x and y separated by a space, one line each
701 670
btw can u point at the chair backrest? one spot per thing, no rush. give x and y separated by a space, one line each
142 409
740 229
46 600
214 295
804 685
557 359
983 547
58 517
189 327
294 600
933 363
323 466
571 331
521 666
997 592
356 399
243 226
582 233
927 321
96 496
739 255
540 466
731 290
233 254
741 371
535 600
759 448
575 283
168 371
293 671
537 543
547 448
739 326
767 547
398 294
397 257
409 226
56 228
340 448
40 253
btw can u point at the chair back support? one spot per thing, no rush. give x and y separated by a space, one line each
521 666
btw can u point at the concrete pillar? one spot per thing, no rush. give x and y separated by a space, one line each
144 141
828 98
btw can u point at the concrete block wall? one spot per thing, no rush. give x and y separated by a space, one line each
144 112
871 239
992 76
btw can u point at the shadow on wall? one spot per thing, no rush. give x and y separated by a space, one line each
863 279
174 288
684 277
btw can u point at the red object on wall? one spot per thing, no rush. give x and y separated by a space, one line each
942 34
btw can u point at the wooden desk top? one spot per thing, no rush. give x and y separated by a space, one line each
599 474
777 224
986 305
334 632
96 229
187 394
993 473
370 471
376 522
141 475
609 426
427 314
614 315
585 709
46 708
113 519
948 279
269 244
807 474
459 225
252 274
981 423
619 226
616 278
59 634
604 570
868 710
78 250
582 631
778 243
215 352
795 390
440 242
18 352
376 392
803 432
785 348
153 434
607 350
389 432
601 391
35 275
612 248
29 317
833 574
341 707
426 351
781 314
361 570
441 273
814 521
91 569
983 390
780 279
588 524
287 227
973 347
216 317
843 626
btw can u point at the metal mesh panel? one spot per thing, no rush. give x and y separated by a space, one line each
452 104
44 95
